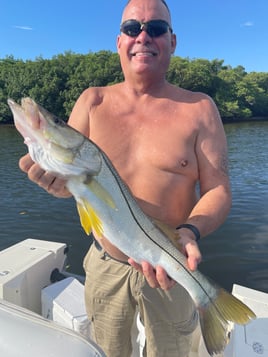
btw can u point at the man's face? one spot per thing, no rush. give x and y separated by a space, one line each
143 53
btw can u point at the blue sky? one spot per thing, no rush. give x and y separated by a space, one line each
235 31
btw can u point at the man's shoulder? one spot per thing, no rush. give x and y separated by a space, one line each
187 94
95 95
199 105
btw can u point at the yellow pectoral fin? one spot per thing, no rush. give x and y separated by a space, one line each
101 193
89 218
84 217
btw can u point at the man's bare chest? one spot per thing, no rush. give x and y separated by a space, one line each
138 144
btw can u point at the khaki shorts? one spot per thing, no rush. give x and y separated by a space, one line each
113 291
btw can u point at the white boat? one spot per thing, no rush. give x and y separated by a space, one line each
42 318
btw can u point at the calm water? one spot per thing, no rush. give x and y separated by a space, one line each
237 252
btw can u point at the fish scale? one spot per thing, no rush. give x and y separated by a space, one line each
107 207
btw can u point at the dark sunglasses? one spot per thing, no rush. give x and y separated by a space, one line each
154 28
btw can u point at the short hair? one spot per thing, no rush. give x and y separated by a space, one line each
163 2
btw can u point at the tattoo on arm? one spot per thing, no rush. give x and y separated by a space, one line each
224 165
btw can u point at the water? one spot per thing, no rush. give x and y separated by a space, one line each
236 253
27 211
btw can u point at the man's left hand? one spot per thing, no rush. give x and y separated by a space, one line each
157 277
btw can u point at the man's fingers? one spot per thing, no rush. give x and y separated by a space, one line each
163 279
44 179
58 189
150 275
156 278
25 163
194 256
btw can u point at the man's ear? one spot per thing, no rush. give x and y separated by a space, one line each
118 42
173 43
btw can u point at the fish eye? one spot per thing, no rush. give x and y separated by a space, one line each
58 121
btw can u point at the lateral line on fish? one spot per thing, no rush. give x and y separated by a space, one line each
120 185
216 306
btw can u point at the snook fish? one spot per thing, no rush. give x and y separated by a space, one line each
107 207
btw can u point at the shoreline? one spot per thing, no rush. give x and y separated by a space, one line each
243 120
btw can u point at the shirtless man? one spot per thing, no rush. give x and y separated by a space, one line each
163 140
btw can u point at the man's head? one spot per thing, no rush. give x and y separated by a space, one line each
146 41
131 7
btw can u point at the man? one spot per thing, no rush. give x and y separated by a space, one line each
163 140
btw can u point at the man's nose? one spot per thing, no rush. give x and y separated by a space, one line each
143 37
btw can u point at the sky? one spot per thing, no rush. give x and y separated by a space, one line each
235 31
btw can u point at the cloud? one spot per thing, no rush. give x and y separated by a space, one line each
247 24
27 28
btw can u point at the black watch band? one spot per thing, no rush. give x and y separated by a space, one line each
192 228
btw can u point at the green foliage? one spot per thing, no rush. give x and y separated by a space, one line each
57 83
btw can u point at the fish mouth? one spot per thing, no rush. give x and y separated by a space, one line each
23 118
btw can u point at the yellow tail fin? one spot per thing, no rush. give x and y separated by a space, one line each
215 318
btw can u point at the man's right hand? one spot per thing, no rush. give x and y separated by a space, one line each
49 182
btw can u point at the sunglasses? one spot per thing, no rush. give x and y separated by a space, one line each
154 28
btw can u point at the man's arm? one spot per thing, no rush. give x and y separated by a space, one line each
215 194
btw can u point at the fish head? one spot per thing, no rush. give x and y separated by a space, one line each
26 119
56 146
